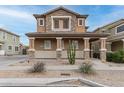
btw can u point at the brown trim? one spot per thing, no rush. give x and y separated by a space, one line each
65 34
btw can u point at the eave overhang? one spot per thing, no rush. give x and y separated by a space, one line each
67 34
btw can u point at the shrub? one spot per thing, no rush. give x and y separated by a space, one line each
71 53
38 67
117 56
109 56
86 68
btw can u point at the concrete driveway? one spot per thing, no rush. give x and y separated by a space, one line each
7 60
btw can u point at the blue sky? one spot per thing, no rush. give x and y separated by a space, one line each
19 19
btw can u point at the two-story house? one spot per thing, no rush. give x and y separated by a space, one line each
9 43
56 28
115 41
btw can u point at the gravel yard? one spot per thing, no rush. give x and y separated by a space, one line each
46 62
109 78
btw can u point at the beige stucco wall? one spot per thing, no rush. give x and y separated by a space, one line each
39 44
9 41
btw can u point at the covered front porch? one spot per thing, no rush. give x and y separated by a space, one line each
58 49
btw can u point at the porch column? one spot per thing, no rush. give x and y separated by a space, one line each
86 49
92 49
123 42
59 48
108 46
103 49
31 47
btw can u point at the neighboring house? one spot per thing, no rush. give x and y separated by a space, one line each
9 43
116 39
56 28
23 49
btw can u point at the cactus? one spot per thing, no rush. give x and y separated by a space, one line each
71 53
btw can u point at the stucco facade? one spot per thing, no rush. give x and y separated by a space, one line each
9 43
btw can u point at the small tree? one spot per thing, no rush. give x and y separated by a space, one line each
71 53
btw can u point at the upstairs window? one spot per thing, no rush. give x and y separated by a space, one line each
4 35
61 23
80 22
41 21
120 29
56 23
66 23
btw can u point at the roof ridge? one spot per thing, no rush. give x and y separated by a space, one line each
2 29
108 24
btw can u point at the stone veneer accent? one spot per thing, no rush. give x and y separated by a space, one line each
60 13
103 49
86 49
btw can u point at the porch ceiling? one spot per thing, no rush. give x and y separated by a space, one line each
65 35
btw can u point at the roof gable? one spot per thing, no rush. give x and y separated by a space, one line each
60 8
111 25
1 29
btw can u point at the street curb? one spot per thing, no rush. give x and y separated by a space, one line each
91 83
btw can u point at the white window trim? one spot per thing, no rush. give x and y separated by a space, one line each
39 21
79 20
69 29
116 30
49 45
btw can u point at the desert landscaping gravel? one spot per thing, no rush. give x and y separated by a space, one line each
109 78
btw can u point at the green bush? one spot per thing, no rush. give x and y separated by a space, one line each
109 57
117 57
38 67
86 68
71 53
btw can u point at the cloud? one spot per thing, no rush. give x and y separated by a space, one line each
16 13
116 13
